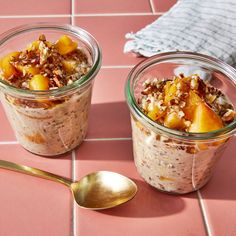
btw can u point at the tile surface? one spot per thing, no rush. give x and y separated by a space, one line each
6 133
163 6
219 195
31 7
109 120
33 205
150 211
109 114
40 207
112 41
107 6
109 85
6 24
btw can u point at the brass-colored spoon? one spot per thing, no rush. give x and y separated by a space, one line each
95 191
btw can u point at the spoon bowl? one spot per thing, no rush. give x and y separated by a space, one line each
96 191
102 190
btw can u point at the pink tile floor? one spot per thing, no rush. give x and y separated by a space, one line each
31 206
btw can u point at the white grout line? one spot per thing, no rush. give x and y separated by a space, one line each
120 14
33 16
118 67
204 214
73 176
107 139
83 15
8 142
73 228
72 12
74 215
86 140
152 6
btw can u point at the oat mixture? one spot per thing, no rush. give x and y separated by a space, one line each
186 104
50 125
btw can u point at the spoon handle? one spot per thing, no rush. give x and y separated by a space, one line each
35 172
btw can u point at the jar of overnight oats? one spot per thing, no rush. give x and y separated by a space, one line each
176 143
46 87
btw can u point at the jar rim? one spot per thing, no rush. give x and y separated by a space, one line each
76 31
224 132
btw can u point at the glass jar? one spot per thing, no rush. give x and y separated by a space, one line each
50 122
170 160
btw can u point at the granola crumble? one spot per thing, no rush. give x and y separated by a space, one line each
48 59
170 102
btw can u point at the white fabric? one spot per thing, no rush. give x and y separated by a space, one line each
203 26
191 70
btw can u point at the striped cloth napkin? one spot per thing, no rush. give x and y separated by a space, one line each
203 26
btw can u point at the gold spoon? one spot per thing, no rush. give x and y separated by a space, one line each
95 191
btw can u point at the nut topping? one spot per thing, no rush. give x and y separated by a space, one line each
186 103
60 63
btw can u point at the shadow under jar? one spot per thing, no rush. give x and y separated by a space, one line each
171 160
50 122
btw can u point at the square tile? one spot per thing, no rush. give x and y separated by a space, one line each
111 35
33 205
150 211
109 85
163 6
107 6
109 115
31 7
109 120
219 196
6 133
6 24
60 165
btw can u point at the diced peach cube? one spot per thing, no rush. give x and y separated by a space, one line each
155 113
28 70
5 65
152 115
33 46
65 45
69 65
191 103
205 119
173 121
32 70
39 82
172 87
170 91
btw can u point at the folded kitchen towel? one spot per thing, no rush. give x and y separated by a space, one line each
203 26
